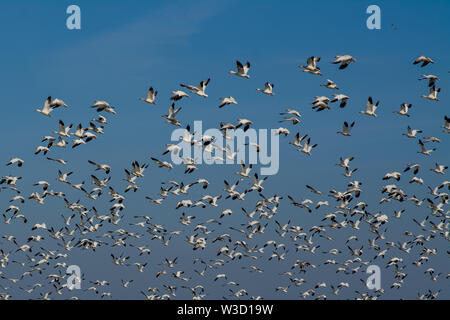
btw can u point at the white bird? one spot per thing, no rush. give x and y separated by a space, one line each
242 70
446 125
431 79
103 167
344 60
103 106
244 123
330 85
41 149
268 89
439 168
345 162
433 94
431 139
172 148
199 90
226 101
151 96
170 117
291 112
282 130
370 108
404 107
340 97
424 60
392 175
244 171
311 66
413 166
56 103
61 161
63 131
15 160
412 133
46 109
307 148
162 163
423 150
177 95
346 129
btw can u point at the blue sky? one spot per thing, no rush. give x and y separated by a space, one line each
126 46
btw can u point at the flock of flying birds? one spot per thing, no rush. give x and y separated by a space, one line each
35 263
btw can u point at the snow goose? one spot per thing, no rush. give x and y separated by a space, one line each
242 70
200 90
414 167
151 96
424 60
291 112
311 66
348 173
60 144
244 171
313 190
63 131
320 105
346 129
344 60
77 142
226 101
95 128
293 119
103 106
431 139
412 133
162 163
170 117
404 107
320 99
370 108
446 125
42 149
343 163
423 150
340 97
268 89
330 85
10 180
56 103
172 148
244 123
103 167
46 109
257 184
100 119
392 175
307 148
177 95
137 170
439 168
61 161
15 160
282 130
431 79
433 94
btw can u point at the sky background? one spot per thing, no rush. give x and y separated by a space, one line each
126 46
